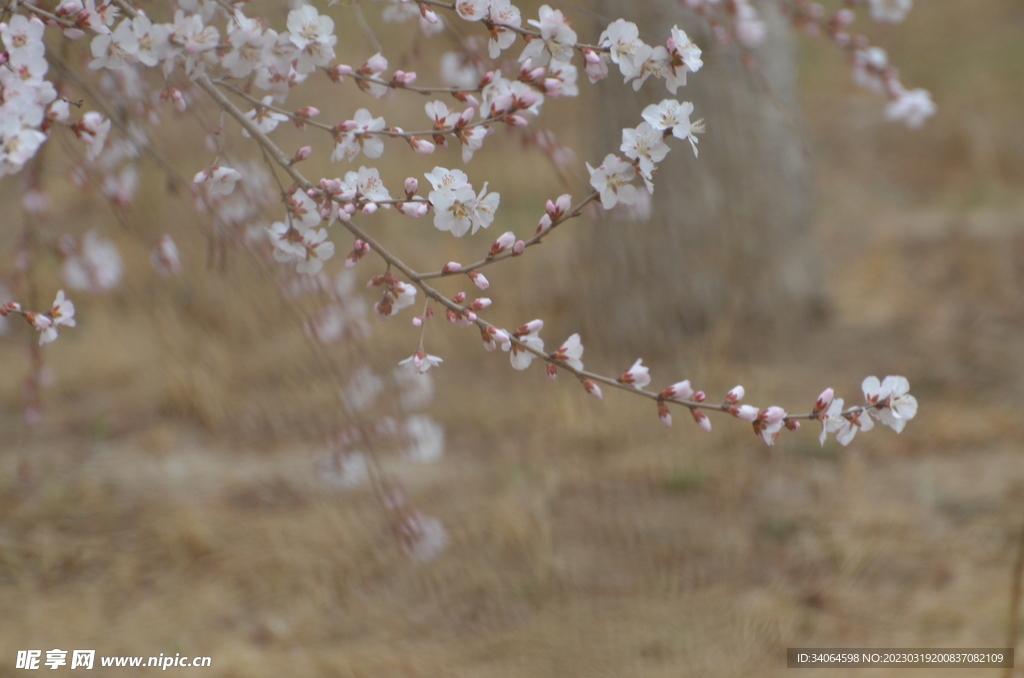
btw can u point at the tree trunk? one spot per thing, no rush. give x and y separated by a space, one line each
729 234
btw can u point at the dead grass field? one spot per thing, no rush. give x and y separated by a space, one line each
172 502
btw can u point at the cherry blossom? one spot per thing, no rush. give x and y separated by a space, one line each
359 136
117 49
570 352
622 38
637 375
613 181
312 33
317 250
556 38
678 391
62 313
421 361
646 145
373 67
502 13
218 180
23 33
769 424
368 184
894 404
265 118
251 45
519 356
673 115
472 10
93 129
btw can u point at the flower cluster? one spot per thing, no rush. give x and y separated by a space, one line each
458 209
28 102
299 240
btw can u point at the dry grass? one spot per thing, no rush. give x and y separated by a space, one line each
172 502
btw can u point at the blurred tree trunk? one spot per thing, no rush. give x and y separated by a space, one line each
729 235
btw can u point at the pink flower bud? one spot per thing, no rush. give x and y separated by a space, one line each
678 391
452 316
479 280
452 267
330 186
369 208
735 395
504 241
302 154
466 117
772 415
468 99
421 146
529 74
744 412
552 371
701 419
824 400
699 397
591 57
307 112
179 100
593 389
417 321
402 79
459 297
480 304
375 64
428 14
516 120
518 248
412 185
544 225
531 327
487 79
526 100
338 72
665 415
469 317
793 424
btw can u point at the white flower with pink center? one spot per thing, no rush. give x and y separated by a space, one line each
472 10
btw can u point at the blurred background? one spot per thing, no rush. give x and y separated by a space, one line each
186 487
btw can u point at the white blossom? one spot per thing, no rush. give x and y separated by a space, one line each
613 180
